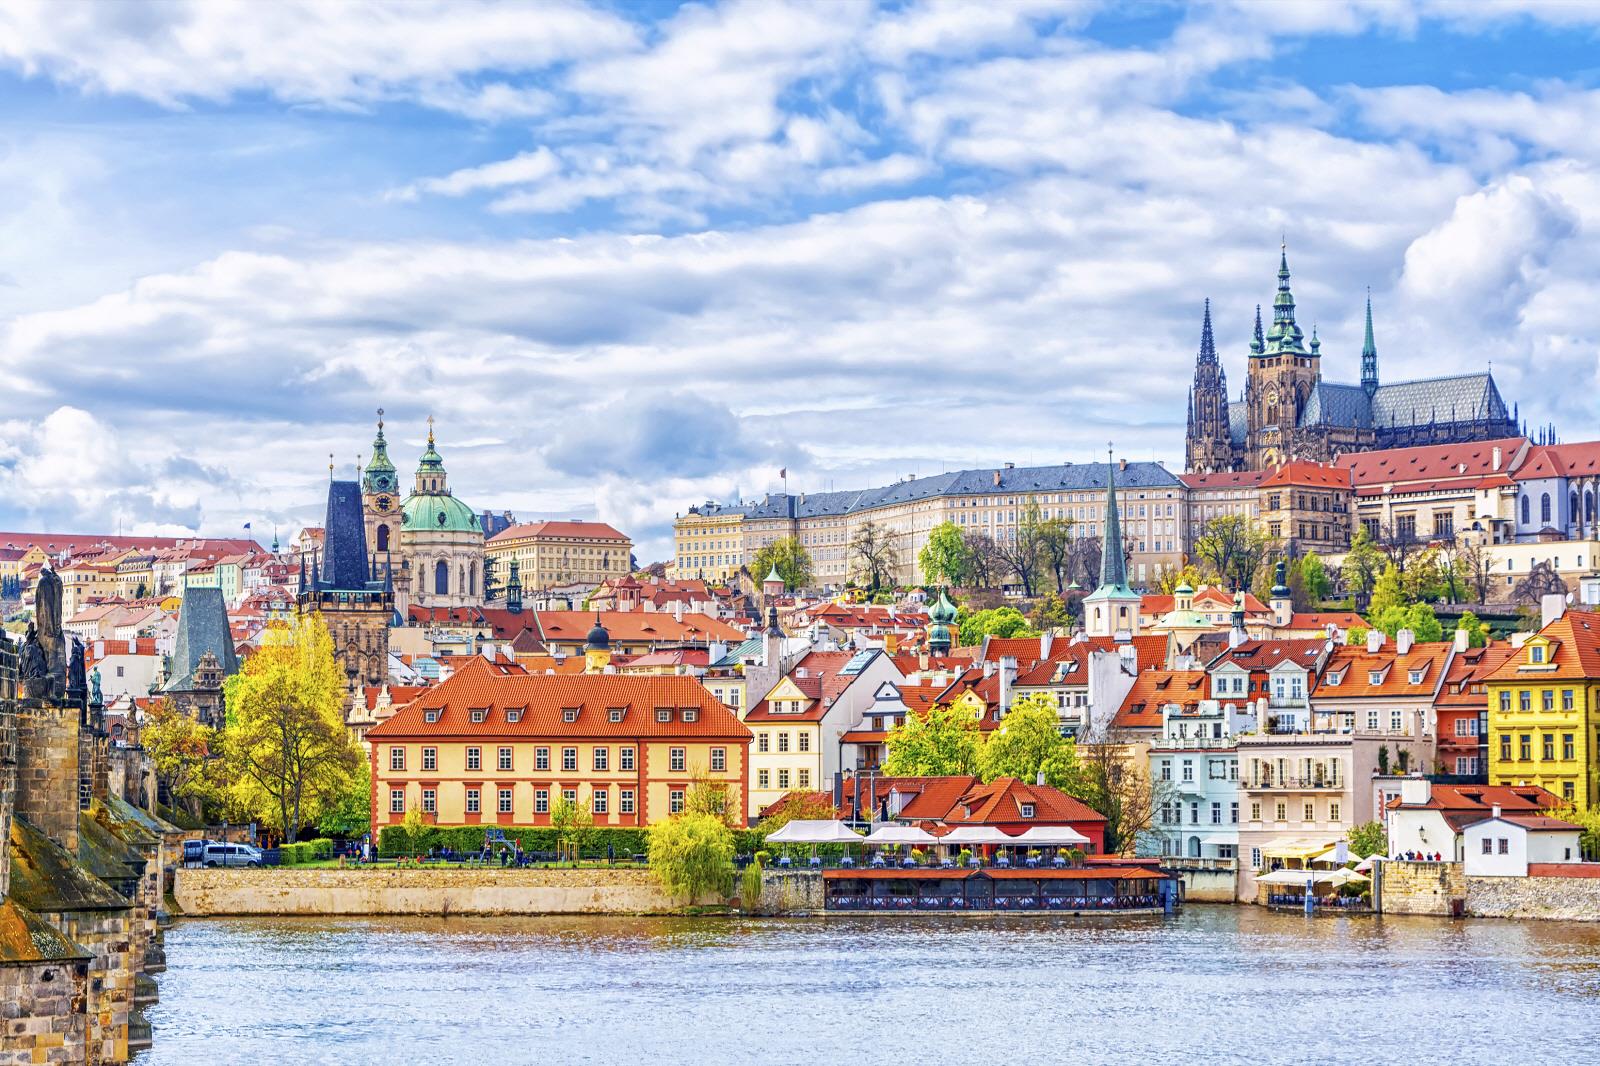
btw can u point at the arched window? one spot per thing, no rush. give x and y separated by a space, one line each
441 577
1573 514
383 538
1588 506
1544 508
472 579
1525 519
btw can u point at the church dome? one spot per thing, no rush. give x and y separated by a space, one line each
943 612
599 639
441 513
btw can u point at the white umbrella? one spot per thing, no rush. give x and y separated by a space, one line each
900 834
814 831
1051 836
1289 877
976 834
1339 878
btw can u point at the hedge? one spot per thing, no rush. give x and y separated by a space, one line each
299 852
395 840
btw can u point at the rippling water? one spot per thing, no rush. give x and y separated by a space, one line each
1218 984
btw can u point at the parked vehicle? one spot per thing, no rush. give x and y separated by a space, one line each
194 851
231 855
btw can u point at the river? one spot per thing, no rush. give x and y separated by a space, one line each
1216 984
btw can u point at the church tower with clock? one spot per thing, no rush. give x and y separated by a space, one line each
380 497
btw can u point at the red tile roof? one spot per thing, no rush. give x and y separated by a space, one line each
998 803
569 530
1438 463
1244 479
1320 619
1511 799
1561 460
1574 651
1265 654
633 627
1469 670
1348 672
1309 475
1154 689
542 698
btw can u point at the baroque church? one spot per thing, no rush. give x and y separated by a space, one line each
1289 412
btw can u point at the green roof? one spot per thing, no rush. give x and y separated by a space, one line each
440 512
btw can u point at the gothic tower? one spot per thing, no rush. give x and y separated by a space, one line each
1369 356
380 495
344 587
1282 374
1209 443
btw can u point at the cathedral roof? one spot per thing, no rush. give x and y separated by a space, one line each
1330 404
1238 422
1457 398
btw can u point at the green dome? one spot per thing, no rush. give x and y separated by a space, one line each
943 612
438 512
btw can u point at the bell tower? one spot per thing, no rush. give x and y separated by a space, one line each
1281 375
380 497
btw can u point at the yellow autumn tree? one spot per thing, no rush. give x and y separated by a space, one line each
288 751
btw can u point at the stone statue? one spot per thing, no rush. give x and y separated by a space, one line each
77 687
36 681
95 696
47 618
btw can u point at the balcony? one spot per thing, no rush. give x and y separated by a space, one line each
1194 743
1293 784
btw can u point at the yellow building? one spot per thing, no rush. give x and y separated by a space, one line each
1544 711
708 543
496 745
559 553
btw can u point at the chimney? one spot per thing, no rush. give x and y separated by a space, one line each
1495 811
1122 464
1045 640
1008 676
1463 641
1415 791
1403 641
1552 605
1374 640
1497 457
997 479
677 610
1011 466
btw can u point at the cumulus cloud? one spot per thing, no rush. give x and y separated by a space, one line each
645 435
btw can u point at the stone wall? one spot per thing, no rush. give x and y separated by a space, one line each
47 770
1422 888
1204 880
41 1014
421 891
791 892
1573 899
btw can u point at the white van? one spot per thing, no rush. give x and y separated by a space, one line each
232 855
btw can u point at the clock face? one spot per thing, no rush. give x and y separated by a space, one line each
383 503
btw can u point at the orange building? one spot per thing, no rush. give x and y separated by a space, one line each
496 745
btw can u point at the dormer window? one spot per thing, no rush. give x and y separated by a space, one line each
479 714
513 715
1536 653
1374 677
569 714
663 715
614 714
1416 677
430 716
1027 810
691 714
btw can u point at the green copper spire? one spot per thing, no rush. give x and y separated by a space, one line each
1284 336
431 460
1257 343
1113 567
1369 355
380 474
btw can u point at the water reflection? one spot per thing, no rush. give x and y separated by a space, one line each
1221 984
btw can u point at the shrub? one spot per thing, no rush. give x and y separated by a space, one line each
692 855
321 848
396 840
750 888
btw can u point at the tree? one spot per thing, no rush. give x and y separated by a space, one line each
1055 549
350 812
1029 742
798 806
1399 543
1314 578
1234 546
706 795
1475 566
1387 593
973 626
692 856
1021 550
573 823
1368 838
1050 611
946 558
1168 578
186 756
1120 786
984 563
944 742
1417 617
789 557
1541 581
287 747
1588 822
1477 631
1362 565
874 554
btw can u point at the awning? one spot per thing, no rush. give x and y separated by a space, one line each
1051 836
1320 877
1332 855
1301 848
976 834
900 834
814 831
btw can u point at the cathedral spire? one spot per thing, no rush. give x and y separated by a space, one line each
1208 345
1258 343
1369 355
1113 567
1284 336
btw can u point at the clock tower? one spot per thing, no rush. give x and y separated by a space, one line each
380 506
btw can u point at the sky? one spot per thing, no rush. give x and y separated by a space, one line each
631 257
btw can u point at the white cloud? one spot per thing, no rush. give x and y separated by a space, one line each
521 169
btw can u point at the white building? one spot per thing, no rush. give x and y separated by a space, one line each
1503 845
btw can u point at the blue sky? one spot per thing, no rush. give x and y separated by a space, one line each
631 257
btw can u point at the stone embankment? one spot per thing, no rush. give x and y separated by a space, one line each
1567 892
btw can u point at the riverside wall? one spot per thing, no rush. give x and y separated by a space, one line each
278 891
1436 888
1567 898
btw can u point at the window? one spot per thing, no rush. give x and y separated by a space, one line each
783 780
719 760
474 758
430 758
1536 654
1505 702
1216 813
541 801
1396 720
602 758
1505 748
1488 846
803 741
1282 811
569 758
514 715
625 801
480 713
504 759
1567 746
1188 769
763 778
1166 770
1544 508
1566 790
1310 812
430 801
663 715
1527 519
614 714
473 800
783 742
569 714
1525 698
427 716
1505 843
1333 812
1548 699
504 797
1255 858
625 758
1566 699
397 801
675 801
397 758
761 741
570 795
1234 812
1372 721
541 758
1548 749
691 714
802 778
600 801
1525 747
676 760
1255 812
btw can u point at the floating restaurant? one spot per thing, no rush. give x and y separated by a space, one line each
1073 890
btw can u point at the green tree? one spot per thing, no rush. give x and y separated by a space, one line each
1233 546
791 559
945 741
573 823
692 856
1055 549
874 554
1417 617
995 622
1387 592
799 806
350 812
1314 578
1022 550
1368 838
1029 742
288 751
186 755
1050 611
1168 578
1477 631
945 559
1362 565
1588 823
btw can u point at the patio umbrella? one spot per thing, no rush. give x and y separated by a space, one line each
1340 878
814 831
1051 836
900 834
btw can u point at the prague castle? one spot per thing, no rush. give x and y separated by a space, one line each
1289 412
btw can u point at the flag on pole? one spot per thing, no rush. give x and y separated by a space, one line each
247 525
784 472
